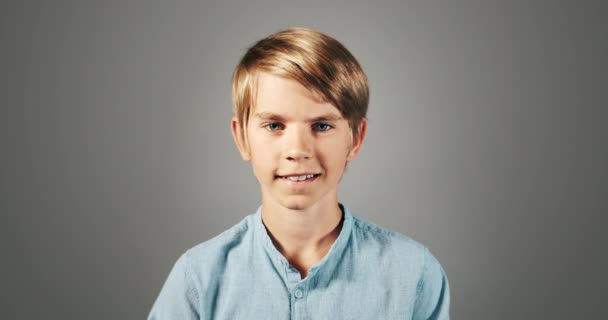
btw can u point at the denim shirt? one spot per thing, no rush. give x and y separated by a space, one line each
369 273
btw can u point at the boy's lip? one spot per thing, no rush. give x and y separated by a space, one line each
298 183
297 175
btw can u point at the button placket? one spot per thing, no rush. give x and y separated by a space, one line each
299 302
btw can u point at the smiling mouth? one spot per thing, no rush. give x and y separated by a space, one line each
298 178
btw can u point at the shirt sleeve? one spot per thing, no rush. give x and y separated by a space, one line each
433 292
177 299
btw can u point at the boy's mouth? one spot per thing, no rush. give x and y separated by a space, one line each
299 177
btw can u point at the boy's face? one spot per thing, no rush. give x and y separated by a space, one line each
291 134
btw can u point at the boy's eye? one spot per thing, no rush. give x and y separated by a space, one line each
321 126
273 126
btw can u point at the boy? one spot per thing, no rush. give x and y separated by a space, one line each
299 103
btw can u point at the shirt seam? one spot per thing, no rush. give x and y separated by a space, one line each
422 276
371 227
189 277
231 232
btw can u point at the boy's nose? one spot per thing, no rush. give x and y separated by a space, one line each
298 147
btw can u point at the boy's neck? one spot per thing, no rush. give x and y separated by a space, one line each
303 237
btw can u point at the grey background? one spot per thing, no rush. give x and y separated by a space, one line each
486 143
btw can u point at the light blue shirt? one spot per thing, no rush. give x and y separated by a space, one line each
369 273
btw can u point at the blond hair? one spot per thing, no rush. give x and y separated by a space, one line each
317 61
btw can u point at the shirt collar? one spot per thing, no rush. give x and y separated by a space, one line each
328 262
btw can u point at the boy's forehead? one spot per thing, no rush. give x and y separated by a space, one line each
277 95
271 87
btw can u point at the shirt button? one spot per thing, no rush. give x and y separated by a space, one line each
299 294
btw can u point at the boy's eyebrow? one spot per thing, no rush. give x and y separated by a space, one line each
265 115
326 117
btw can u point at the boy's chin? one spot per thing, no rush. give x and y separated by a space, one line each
293 205
297 202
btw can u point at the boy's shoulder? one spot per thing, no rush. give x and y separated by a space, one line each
233 238
368 233
379 232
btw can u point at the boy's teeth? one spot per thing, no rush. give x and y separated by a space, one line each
300 178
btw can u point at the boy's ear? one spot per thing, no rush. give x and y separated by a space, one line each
238 135
358 140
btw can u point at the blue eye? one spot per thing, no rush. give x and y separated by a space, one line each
273 126
322 126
